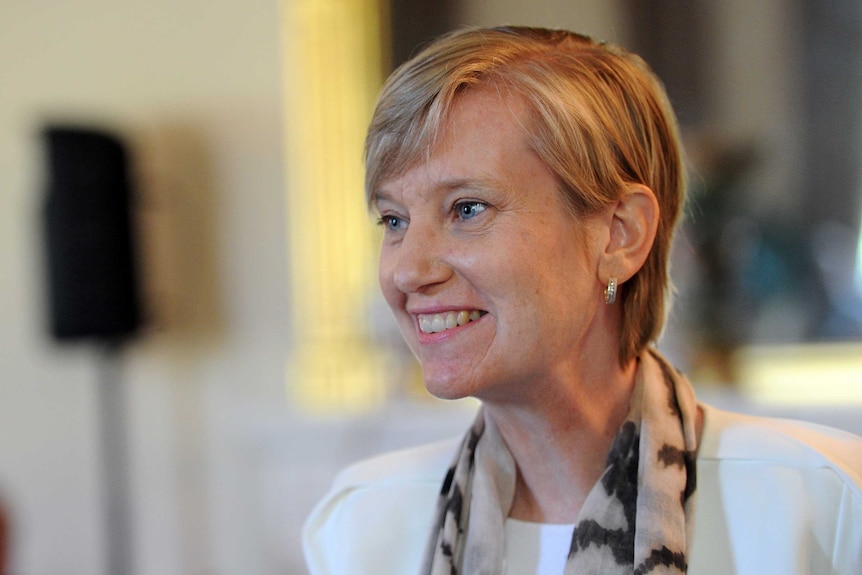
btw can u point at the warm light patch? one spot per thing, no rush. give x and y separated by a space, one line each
803 374
332 72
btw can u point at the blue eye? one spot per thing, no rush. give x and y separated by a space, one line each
468 210
392 223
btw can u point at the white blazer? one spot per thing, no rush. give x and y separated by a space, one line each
774 497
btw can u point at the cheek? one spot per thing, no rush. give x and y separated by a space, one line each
391 294
544 283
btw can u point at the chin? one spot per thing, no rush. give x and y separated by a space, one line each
446 388
447 395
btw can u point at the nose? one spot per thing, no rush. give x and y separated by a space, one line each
419 262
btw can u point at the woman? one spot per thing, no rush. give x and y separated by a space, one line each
528 183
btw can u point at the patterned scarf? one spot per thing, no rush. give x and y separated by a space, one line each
637 519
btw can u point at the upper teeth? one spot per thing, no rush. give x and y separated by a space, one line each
442 321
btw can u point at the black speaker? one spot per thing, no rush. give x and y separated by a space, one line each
92 272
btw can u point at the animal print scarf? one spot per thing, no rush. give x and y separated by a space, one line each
637 519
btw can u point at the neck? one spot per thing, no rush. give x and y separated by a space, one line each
560 440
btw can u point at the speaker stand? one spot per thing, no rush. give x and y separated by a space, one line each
112 398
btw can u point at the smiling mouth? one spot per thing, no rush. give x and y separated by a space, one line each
437 322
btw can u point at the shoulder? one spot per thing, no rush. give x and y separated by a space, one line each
736 437
772 492
376 516
416 464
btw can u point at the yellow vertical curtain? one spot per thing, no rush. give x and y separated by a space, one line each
333 65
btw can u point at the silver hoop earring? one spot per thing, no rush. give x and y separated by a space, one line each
611 291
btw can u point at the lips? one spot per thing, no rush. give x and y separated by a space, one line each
437 322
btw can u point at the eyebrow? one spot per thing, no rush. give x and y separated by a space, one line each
472 184
378 195
446 186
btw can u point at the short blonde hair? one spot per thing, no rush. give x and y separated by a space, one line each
600 120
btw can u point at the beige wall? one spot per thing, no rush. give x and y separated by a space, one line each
195 87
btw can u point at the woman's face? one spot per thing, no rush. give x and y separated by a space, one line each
493 282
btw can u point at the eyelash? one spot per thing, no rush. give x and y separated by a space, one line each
388 221
459 206
391 223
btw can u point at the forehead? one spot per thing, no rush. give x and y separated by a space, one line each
483 131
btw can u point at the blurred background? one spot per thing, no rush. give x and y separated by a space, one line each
258 358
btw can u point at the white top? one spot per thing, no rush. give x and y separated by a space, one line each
774 497
536 548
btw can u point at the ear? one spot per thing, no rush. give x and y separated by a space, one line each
633 225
